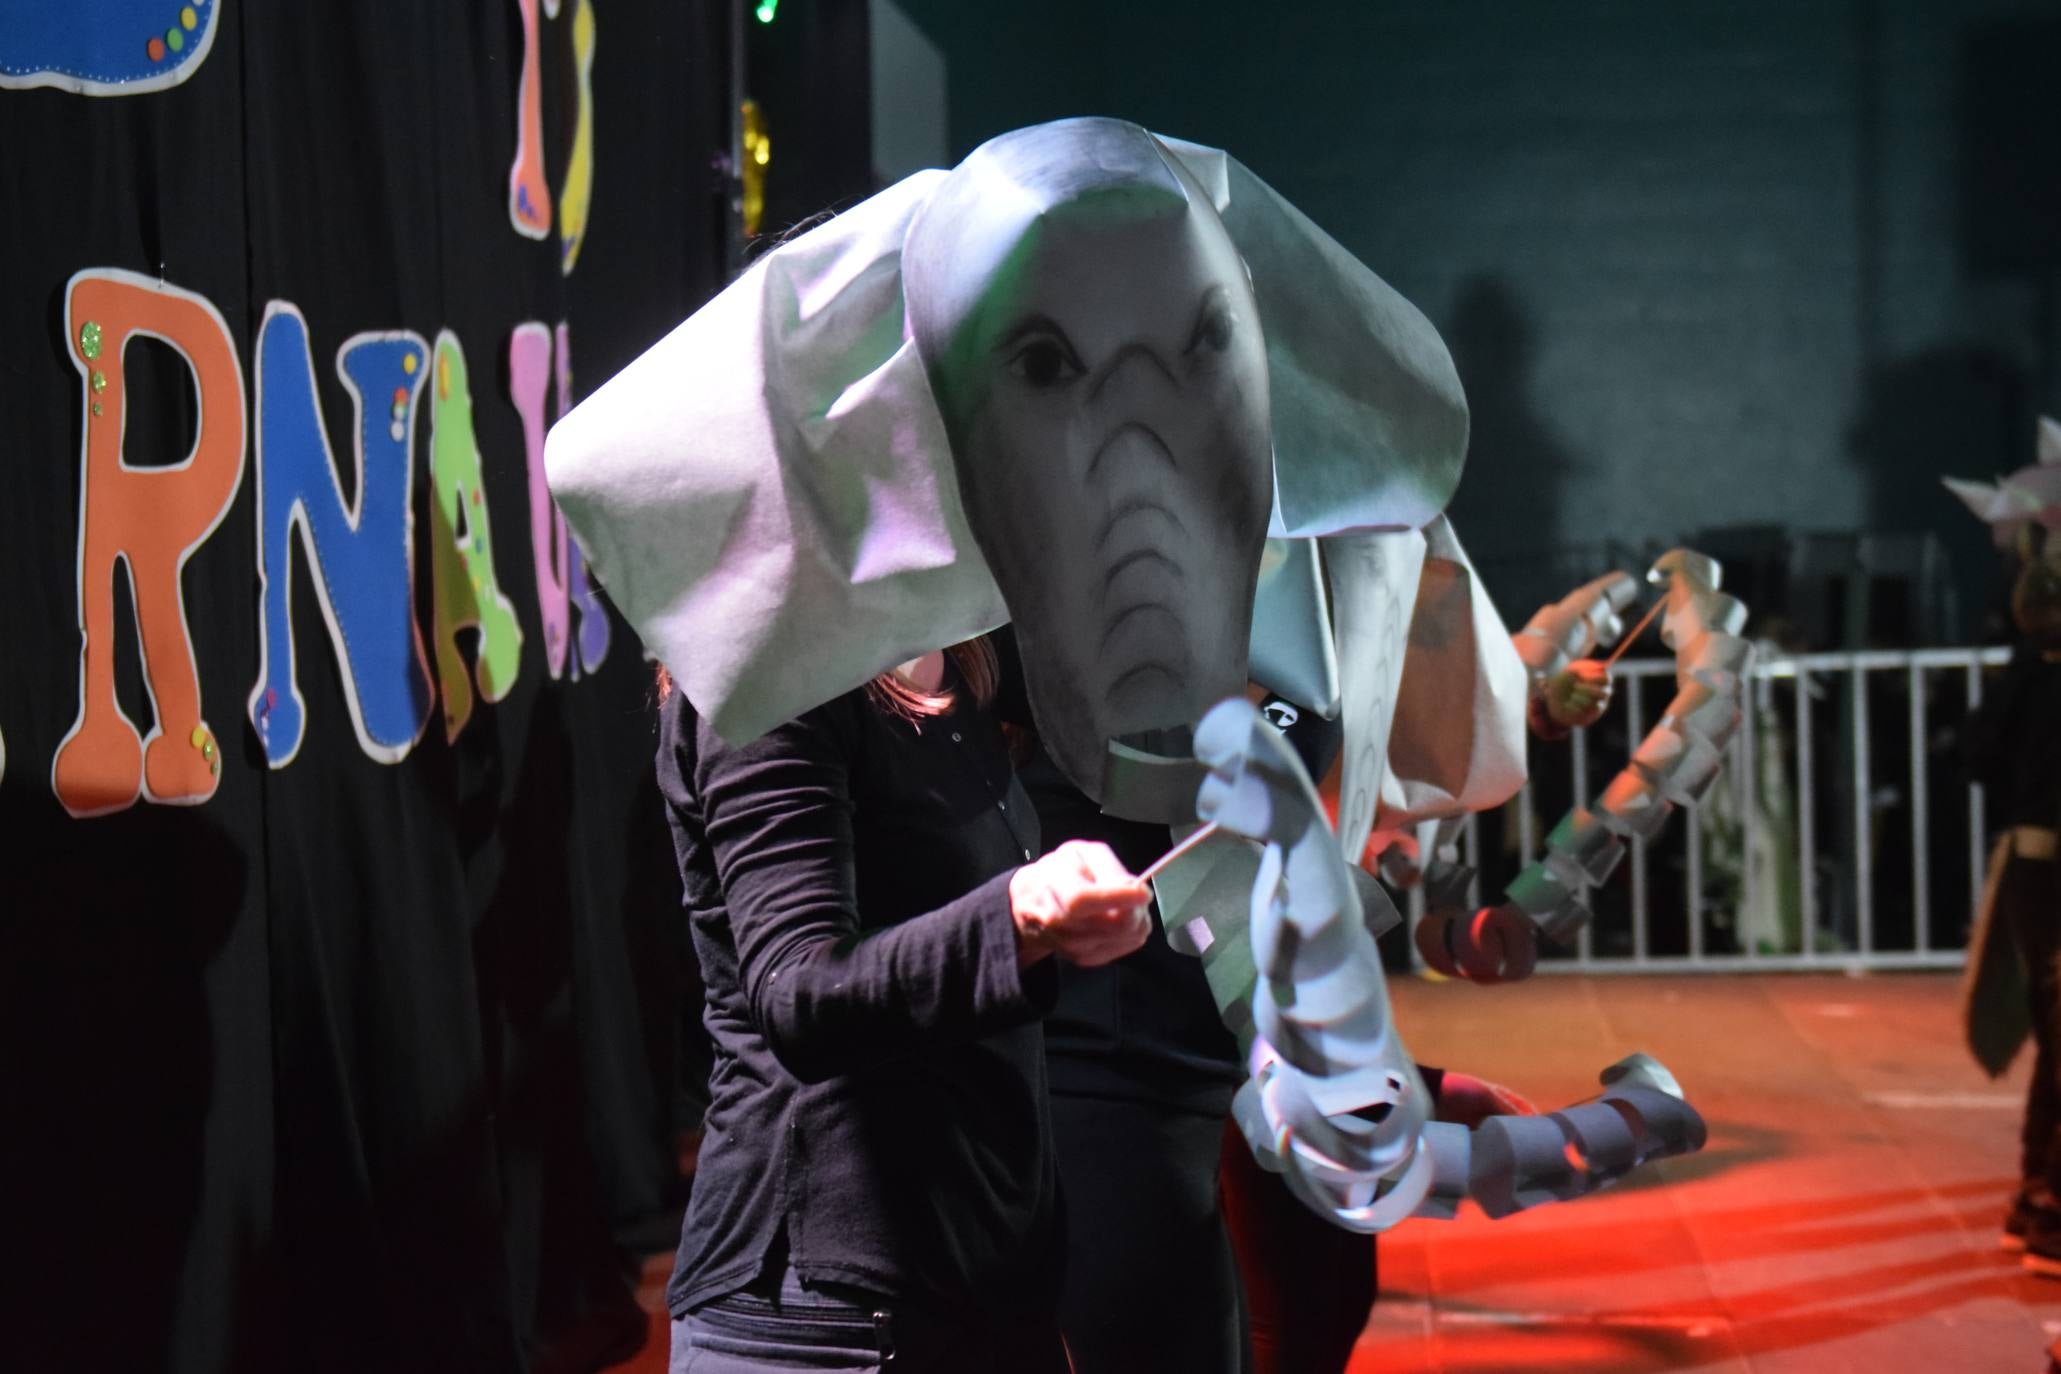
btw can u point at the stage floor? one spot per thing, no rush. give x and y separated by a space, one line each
1843 1217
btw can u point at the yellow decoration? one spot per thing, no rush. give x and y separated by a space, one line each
468 598
578 191
758 151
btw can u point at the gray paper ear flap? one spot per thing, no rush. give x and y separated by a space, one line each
767 493
1292 652
1370 423
2031 494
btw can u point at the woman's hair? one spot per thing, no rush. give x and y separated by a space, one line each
975 660
897 696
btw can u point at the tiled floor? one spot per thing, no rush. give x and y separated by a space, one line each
1843 1216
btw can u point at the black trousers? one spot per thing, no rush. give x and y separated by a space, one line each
1309 1285
1151 1287
2029 898
833 1329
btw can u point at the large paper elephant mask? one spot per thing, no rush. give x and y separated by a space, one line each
1074 383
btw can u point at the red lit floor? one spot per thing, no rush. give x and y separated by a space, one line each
1843 1217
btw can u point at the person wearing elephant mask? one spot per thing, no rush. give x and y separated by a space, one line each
1076 384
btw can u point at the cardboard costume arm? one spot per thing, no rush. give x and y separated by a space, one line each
1334 1103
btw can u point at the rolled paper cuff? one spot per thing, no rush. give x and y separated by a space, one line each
1633 807
1582 840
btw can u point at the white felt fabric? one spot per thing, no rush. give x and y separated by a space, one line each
1374 579
1458 740
1434 697
766 494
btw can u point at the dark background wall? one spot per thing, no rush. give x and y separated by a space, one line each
1701 265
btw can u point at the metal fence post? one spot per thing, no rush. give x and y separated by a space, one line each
1921 806
1863 815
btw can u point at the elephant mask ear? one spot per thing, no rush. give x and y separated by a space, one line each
1370 423
2031 495
1370 434
767 493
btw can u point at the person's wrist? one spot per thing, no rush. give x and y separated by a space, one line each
1032 943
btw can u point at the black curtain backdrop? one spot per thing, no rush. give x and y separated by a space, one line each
355 1066
810 72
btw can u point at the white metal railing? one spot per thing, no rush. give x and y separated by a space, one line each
1790 899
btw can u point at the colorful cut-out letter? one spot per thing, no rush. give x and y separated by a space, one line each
105 47
592 636
467 594
361 552
152 519
529 378
529 194
562 581
578 191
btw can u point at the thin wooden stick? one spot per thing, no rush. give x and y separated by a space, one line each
1194 841
1637 630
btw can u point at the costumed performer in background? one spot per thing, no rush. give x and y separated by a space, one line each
2013 748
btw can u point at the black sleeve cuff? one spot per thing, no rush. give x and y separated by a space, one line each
1004 989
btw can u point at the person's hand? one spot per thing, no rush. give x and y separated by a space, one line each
1080 903
1578 694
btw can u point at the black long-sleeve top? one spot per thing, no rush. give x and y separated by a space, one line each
2013 744
878 1111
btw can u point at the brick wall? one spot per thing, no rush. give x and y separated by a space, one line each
1701 264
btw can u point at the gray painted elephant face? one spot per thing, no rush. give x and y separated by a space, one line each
1103 382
